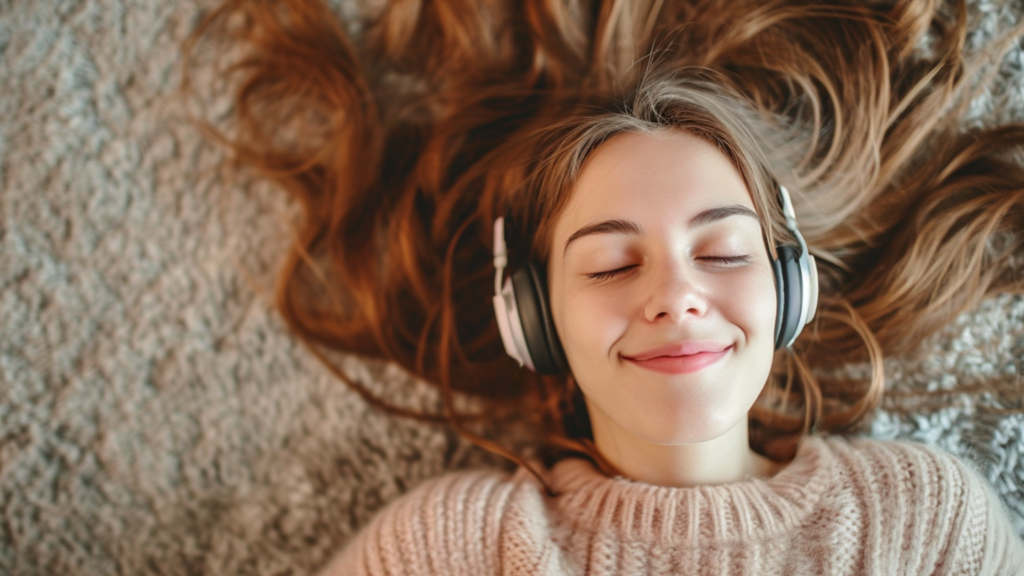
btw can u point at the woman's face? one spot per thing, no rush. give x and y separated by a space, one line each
662 290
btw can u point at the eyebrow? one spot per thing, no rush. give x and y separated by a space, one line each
631 228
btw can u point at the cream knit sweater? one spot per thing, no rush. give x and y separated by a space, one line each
841 507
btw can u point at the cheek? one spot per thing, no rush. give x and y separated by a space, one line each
749 301
591 322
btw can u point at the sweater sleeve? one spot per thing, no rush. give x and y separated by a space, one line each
987 542
1004 549
446 526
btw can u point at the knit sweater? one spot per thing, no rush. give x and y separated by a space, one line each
840 507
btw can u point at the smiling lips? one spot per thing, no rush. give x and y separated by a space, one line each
681 357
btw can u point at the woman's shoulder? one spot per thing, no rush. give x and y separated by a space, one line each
453 521
901 469
454 490
911 488
917 461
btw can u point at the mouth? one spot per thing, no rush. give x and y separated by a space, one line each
681 358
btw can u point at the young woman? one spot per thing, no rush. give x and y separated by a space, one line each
634 174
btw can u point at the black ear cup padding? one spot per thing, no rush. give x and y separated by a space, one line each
791 295
780 307
553 345
530 311
538 326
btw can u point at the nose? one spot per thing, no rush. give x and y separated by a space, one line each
674 295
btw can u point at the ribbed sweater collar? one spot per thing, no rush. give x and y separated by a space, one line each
751 509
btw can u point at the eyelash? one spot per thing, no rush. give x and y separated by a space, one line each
721 260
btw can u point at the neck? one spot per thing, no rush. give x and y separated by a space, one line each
723 460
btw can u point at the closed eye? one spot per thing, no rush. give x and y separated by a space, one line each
715 260
725 260
610 273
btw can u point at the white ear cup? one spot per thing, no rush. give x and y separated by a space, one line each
808 272
812 299
510 324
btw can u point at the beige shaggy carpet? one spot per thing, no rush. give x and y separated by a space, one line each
155 415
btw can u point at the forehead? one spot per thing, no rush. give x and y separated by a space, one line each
658 179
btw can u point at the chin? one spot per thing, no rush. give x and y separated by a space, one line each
681 429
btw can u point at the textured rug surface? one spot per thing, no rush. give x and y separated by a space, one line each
155 415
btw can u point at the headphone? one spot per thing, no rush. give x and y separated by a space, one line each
528 329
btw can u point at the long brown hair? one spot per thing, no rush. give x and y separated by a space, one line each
403 145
